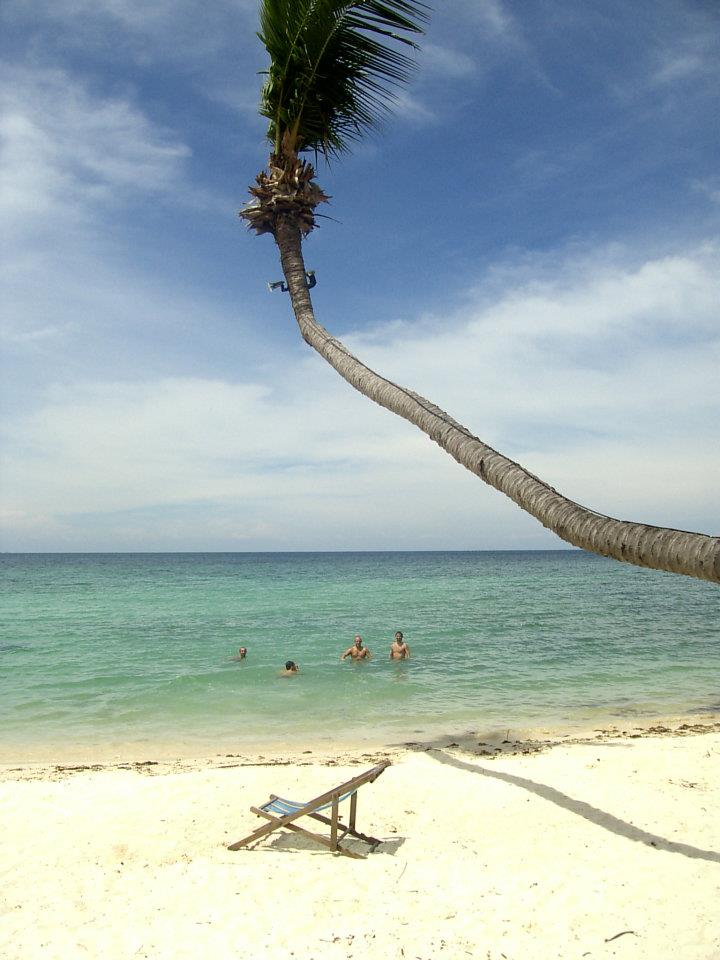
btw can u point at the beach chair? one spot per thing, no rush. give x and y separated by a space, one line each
283 814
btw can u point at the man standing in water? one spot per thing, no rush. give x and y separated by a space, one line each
399 650
357 651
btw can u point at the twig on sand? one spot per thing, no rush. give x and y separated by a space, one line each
621 934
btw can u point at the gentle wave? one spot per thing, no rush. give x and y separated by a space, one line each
114 647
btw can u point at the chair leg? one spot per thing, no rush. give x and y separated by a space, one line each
257 834
373 841
334 825
263 831
325 841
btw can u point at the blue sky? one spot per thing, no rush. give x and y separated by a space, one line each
532 242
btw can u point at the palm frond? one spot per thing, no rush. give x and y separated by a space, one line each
333 67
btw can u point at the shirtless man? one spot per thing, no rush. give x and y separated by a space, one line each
241 654
291 669
357 651
399 650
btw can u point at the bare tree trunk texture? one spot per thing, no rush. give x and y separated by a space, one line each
675 551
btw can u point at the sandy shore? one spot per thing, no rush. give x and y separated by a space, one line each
606 845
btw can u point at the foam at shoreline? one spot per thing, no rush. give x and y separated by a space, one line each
487 742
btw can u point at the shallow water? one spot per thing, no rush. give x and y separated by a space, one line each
136 648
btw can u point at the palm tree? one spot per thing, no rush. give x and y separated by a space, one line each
333 68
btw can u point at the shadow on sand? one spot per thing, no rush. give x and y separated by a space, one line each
581 809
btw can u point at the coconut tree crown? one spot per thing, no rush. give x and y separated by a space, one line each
333 66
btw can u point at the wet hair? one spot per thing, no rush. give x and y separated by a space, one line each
399 633
290 665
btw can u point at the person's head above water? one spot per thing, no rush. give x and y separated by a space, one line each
290 665
242 652
358 640
399 636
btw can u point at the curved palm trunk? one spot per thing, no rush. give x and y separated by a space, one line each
675 551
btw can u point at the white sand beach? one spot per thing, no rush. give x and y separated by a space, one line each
595 847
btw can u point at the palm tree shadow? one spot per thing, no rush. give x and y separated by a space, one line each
582 809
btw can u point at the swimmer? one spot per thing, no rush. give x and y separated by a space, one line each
399 650
241 654
291 669
357 651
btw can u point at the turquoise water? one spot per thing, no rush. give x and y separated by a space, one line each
136 648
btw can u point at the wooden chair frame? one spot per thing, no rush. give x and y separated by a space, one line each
330 799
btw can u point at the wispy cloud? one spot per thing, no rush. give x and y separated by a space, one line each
150 398
682 52
65 150
710 188
314 464
580 327
494 17
688 51
679 68
445 61
165 30
411 108
68 159
72 162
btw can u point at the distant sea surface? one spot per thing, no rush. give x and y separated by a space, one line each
135 649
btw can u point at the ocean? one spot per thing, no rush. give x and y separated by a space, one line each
135 650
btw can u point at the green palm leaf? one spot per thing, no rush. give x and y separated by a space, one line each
333 66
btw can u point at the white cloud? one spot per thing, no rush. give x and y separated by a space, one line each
411 108
680 53
599 378
597 371
688 51
72 162
64 150
187 30
710 187
436 59
679 68
494 16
